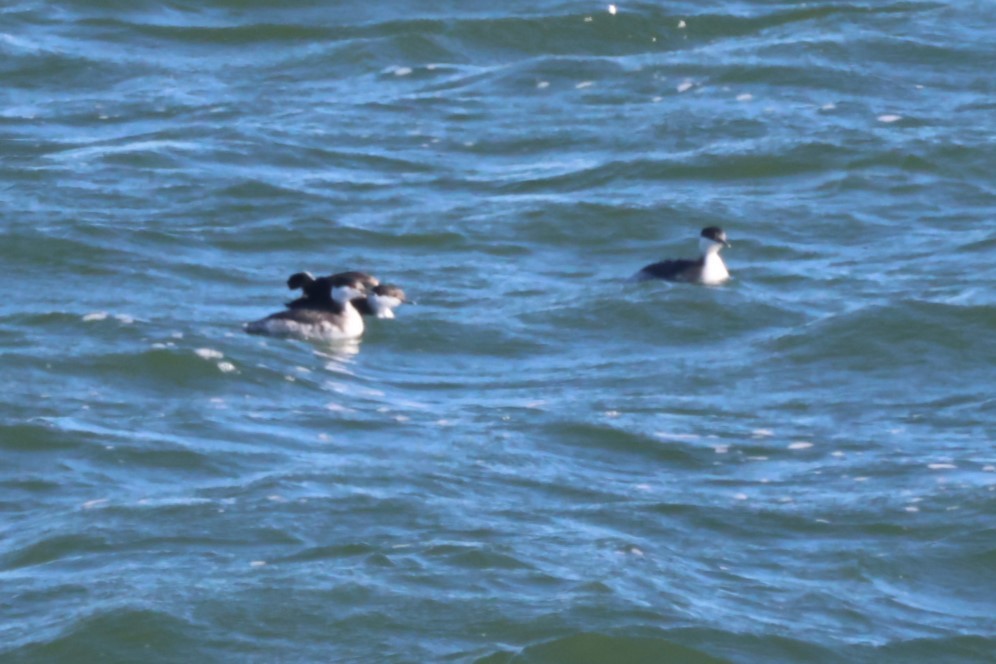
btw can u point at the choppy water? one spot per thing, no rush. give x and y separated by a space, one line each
538 462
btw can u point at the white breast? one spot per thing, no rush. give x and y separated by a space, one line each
383 305
352 322
714 270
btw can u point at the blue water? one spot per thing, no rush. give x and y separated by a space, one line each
538 461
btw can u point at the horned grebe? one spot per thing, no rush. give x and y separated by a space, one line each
380 301
709 269
327 313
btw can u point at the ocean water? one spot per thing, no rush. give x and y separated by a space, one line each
538 461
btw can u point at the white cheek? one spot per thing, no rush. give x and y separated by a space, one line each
343 293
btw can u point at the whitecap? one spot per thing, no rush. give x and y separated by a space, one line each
667 435
800 445
684 86
209 354
226 367
889 118
96 315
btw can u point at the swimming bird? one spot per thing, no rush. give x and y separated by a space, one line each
317 289
709 269
380 302
327 312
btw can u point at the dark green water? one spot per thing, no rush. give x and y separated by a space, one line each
539 461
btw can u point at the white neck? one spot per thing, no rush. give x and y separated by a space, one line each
714 269
383 305
708 247
343 294
352 325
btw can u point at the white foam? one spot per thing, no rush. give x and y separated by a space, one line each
667 435
402 71
740 496
682 25
226 367
612 10
889 118
584 84
90 504
258 563
209 354
542 85
941 466
762 433
989 469
721 449
745 97
684 86
828 107
800 445
124 319
96 315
